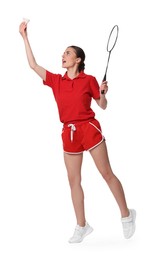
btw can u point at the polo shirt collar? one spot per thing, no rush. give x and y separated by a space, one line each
81 75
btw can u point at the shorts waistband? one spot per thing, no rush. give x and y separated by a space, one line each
77 123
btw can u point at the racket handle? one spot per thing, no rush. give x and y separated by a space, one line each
104 79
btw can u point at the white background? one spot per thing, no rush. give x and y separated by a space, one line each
36 213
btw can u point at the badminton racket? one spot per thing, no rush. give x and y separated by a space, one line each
110 46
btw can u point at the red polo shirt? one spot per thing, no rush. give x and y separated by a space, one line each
73 96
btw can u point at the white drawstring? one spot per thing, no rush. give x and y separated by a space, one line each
73 128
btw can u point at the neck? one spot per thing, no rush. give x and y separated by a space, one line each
72 73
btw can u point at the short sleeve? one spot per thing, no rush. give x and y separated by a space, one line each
51 79
95 89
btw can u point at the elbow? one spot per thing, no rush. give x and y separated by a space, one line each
103 106
33 65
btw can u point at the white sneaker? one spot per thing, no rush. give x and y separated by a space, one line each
128 224
80 233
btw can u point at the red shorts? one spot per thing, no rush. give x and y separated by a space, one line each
81 136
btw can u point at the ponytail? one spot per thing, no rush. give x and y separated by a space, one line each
80 54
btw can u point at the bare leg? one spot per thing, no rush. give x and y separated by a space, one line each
100 157
73 165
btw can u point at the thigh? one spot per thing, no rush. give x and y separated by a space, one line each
101 159
73 164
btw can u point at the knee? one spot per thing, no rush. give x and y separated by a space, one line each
74 181
107 176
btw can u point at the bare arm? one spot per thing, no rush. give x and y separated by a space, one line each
30 57
102 102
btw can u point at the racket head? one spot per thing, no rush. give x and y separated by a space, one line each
112 38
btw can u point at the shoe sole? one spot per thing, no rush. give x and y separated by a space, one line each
89 231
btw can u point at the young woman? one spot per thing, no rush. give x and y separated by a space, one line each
81 131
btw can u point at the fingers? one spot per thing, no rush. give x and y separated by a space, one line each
23 27
104 87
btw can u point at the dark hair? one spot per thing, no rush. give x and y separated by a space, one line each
80 54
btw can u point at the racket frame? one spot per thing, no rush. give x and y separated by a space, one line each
109 52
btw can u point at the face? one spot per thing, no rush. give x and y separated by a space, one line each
69 58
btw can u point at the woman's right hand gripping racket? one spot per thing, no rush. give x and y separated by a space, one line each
110 46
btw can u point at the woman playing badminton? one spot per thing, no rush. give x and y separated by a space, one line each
81 132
